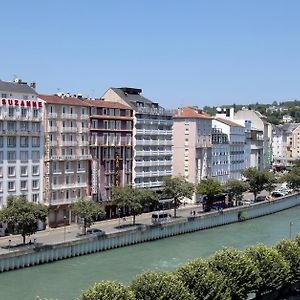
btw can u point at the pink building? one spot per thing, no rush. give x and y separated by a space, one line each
192 144
67 155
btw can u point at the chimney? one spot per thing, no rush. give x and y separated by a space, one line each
33 85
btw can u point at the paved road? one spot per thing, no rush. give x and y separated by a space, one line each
70 232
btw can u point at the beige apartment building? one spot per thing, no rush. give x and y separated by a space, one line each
67 155
192 144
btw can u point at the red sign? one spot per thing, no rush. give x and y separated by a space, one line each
22 103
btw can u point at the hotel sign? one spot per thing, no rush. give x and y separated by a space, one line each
21 103
117 170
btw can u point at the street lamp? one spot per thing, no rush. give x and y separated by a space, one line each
119 213
290 230
9 242
65 218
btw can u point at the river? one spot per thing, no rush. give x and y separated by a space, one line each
64 280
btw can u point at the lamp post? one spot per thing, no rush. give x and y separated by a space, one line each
65 228
119 213
9 244
290 230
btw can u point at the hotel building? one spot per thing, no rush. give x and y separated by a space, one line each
111 125
152 137
21 142
67 155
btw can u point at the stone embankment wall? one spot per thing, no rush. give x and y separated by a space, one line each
144 233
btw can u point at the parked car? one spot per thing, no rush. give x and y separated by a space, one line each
277 194
260 198
95 231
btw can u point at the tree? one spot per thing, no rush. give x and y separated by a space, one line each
160 286
23 215
89 211
134 199
293 178
274 270
209 187
257 180
108 290
177 188
290 250
270 182
235 189
240 273
202 281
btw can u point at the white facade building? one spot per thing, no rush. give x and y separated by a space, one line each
21 142
152 137
236 137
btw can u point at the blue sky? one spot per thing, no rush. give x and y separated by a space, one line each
179 52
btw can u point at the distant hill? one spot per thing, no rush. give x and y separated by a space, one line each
274 111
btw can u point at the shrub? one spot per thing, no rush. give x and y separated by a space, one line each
240 273
108 290
274 270
290 250
160 286
202 281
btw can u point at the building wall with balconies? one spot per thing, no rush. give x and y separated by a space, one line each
67 156
21 142
111 149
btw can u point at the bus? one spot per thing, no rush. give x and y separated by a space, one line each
217 201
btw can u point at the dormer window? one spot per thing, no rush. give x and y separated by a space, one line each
139 104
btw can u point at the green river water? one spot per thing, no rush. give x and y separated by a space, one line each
64 280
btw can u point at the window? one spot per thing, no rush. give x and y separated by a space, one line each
35 113
68 166
1 172
24 126
127 112
24 171
64 109
35 184
94 123
54 195
67 194
128 125
35 142
3 95
106 124
67 179
79 193
118 125
1 155
23 112
23 185
78 179
11 171
117 112
11 111
1 141
78 165
36 127
55 180
25 97
35 155
71 110
24 141
35 198
11 126
35 170
11 155
51 108
11 141
1 187
11 186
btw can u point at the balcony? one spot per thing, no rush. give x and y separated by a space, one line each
52 115
69 129
52 143
69 143
154 173
150 163
149 184
62 201
84 116
69 116
156 142
71 157
73 185
84 143
154 153
83 130
154 132
52 129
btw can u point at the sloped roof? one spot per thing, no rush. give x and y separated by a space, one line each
190 113
55 99
229 122
15 87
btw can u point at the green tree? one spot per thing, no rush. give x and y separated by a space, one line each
270 181
160 286
293 178
274 270
290 250
202 281
134 199
107 290
209 187
257 180
23 215
89 211
177 188
240 273
235 189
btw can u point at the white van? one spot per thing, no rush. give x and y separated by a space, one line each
160 216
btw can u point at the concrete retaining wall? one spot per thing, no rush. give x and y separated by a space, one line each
48 253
